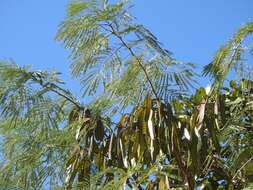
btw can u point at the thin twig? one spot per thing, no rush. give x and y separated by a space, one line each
52 87
137 59
242 167
66 97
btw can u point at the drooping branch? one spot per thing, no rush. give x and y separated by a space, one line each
38 78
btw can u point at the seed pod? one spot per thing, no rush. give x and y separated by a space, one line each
99 130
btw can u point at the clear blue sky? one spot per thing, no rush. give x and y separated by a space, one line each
192 29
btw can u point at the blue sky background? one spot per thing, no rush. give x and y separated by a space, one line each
192 29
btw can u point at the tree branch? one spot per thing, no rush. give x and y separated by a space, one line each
138 60
53 88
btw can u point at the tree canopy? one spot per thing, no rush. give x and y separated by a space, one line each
146 123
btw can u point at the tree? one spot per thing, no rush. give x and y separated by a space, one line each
142 128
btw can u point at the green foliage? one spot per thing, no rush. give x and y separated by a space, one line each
228 56
143 129
108 49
